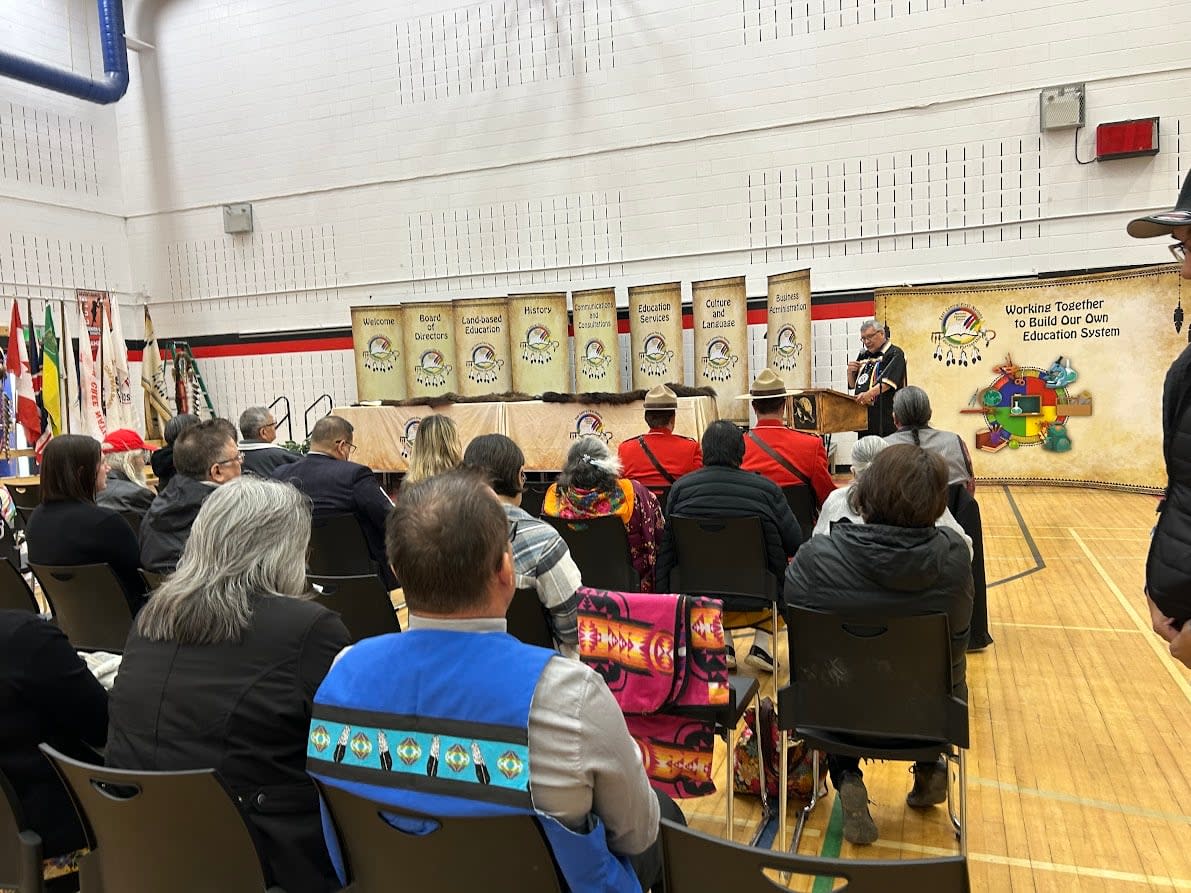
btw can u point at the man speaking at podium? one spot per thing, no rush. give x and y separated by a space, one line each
875 374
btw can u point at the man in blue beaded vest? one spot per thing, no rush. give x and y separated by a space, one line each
454 717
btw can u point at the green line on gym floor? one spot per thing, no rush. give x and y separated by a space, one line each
831 846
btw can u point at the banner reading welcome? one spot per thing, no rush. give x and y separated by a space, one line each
428 336
482 342
1055 380
541 348
720 311
788 334
655 327
597 342
376 344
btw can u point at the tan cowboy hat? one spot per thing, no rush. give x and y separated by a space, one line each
661 397
765 386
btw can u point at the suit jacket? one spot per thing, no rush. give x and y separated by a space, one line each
337 487
262 458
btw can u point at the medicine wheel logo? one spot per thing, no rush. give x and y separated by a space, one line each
654 357
962 332
590 423
432 369
409 435
379 355
594 360
719 361
1029 406
786 349
538 347
484 366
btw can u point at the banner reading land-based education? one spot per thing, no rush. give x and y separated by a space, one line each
655 329
482 340
428 337
788 336
1047 380
376 344
541 348
720 311
597 343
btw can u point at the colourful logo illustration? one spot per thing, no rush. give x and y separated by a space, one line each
380 355
537 346
655 358
510 765
432 369
320 738
590 423
595 360
456 757
409 751
409 435
961 334
717 365
786 350
1029 406
484 366
361 746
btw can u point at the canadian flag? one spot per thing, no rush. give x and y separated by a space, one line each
17 362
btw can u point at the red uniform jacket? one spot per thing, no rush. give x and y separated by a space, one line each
804 451
677 454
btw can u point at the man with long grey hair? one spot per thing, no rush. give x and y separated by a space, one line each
878 370
222 666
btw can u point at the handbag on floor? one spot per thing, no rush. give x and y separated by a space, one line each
798 758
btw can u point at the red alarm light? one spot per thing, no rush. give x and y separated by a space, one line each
1126 139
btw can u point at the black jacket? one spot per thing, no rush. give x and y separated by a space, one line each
718 491
162 463
336 487
262 458
244 709
166 526
1168 567
122 495
46 694
895 570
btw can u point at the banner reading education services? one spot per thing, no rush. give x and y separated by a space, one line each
655 327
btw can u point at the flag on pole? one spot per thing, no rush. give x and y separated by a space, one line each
51 393
35 372
17 362
157 408
121 413
90 401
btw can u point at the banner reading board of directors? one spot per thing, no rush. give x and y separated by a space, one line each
482 341
720 311
1047 380
376 344
428 336
788 335
597 342
655 328
541 348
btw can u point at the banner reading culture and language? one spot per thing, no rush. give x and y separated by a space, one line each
788 334
655 326
720 312
1047 380
482 343
541 348
428 339
597 344
376 344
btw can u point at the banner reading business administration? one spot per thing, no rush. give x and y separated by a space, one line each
597 342
655 328
376 343
428 339
482 339
1055 380
788 336
720 311
541 348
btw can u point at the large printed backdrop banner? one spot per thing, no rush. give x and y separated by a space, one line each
541 348
597 343
1057 380
482 342
376 344
428 334
788 335
655 324
720 311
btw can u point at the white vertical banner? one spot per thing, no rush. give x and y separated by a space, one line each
120 411
91 417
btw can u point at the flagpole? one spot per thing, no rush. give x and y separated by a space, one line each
64 380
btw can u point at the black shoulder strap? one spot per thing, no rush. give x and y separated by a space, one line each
779 459
654 460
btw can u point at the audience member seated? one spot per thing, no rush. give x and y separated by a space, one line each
721 489
206 457
124 455
258 430
435 449
839 504
221 669
69 528
897 562
338 486
163 460
788 458
911 414
484 701
659 457
46 694
590 486
541 560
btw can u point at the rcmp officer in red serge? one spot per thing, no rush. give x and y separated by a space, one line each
878 371
788 458
660 457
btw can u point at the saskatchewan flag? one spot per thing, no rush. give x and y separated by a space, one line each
51 395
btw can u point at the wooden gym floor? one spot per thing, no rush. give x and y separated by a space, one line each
1079 774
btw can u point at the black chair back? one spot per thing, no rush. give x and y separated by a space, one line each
153 579
15 594
533 496
697 862
857 679
663 497
458 855
361 602
600 548
20 846
155 831
26 497
338 548
88 604
134 521
966 510
801 500
527 619
722 558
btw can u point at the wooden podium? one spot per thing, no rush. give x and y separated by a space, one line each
825 411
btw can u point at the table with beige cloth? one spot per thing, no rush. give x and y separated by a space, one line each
544 431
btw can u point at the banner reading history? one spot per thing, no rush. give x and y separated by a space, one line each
788 335
482 342
597 343
541 348
1048 380
655 328
428 340
376 344
720 311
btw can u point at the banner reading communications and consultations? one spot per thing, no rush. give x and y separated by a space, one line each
597 343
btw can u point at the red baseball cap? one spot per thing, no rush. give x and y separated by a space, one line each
124 440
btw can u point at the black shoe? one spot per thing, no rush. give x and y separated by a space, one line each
859 827
759 659
930 786
976 649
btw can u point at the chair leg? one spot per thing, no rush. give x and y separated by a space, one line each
805 814
783 799
730 821
765 813
777 666
960 822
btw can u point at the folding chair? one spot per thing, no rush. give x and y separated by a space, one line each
26 498
801 500
966 510
338 548
362 603
20 846
15 594
600 548
88 604
153 579
527 620
872 686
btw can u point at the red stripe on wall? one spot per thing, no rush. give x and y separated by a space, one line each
843 310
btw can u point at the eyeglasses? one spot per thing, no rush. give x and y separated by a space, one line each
870 336
239 457
351 447
1179 250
